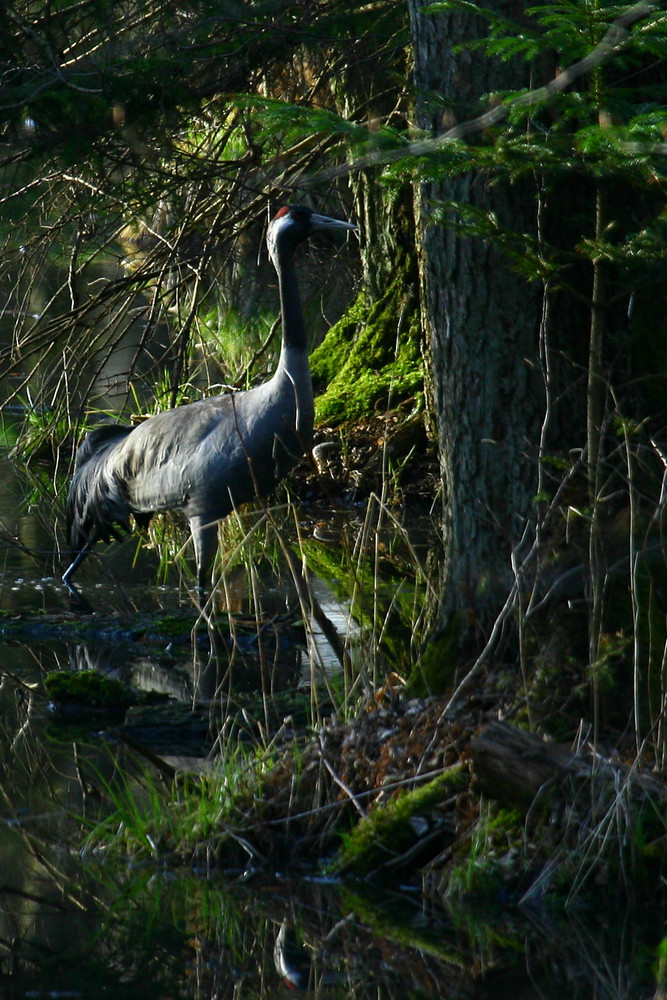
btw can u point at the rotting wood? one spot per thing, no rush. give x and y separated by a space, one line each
514 767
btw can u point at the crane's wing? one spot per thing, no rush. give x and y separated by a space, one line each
175 459
202 459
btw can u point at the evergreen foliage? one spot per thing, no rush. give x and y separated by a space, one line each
606 125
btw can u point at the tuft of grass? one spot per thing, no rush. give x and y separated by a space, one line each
493 848
41 432
194 818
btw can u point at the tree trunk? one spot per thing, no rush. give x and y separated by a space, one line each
372 358
482 321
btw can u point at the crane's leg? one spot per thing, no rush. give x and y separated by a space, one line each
205 541
69 573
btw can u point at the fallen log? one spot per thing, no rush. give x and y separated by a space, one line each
514 767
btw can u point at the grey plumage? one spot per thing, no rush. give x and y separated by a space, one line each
204 458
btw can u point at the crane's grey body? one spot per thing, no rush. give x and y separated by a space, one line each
204 458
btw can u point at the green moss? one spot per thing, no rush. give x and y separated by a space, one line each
387 831
434 672
362 360
175 626
86 687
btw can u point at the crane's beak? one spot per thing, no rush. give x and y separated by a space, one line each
321 222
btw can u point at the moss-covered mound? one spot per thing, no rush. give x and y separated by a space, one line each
87 687
371 356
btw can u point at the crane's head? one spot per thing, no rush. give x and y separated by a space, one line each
293 224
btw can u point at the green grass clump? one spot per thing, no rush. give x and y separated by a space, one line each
191 819
492 855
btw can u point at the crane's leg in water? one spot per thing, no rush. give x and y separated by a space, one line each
69 573
205 541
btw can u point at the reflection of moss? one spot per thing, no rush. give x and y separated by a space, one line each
391 830
487 931
391 594
361 359
397 924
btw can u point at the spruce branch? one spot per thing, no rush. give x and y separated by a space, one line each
613 40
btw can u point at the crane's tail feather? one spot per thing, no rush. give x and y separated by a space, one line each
96 508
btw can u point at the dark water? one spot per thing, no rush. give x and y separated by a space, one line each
75 924
77 927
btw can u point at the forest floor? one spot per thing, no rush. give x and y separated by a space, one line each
530 788
386 453
508 795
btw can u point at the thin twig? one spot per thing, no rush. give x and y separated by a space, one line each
346 788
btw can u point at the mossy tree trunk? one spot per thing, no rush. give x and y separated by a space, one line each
373 357
482 321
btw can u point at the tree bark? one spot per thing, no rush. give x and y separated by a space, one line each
482 321
380 340
514 767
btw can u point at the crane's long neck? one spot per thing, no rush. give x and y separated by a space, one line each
294 329
292 377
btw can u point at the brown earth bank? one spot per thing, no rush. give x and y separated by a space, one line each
468 806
